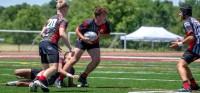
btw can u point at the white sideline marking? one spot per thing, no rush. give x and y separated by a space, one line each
117 78
104 57
138 72
157 92
135 79
6 75
109 72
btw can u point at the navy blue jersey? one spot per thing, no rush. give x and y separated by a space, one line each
89 25
52 28
191 25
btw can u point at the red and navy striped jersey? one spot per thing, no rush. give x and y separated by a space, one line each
191 25
90 25
52 28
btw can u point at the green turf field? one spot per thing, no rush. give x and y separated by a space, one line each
109 77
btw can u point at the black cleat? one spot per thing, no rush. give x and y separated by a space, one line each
196 87
83 81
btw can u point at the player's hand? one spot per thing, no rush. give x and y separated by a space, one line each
87 40
75 76
174 45
99 34
72 52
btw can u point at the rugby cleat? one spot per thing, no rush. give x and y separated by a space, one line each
58 83
33 87
40 84
196 87
83 81
11 83
183 89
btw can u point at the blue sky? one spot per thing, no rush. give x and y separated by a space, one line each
6 3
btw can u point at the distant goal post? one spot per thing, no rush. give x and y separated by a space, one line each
119 34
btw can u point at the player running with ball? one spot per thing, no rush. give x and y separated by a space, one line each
192 30
101 27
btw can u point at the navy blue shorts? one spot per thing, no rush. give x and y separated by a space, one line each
34 72
48 58
85 46
46 47
48 52
189 56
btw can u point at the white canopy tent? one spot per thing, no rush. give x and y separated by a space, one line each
151 34
1 39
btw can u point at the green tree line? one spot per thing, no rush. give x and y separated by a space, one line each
124 15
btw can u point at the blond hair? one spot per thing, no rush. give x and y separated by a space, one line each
98 10
61 4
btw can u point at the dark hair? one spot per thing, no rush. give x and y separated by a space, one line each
186 10
100 10
66 54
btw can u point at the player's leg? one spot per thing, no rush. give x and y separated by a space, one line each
23 73
193 85
77 55
23 83
181 67
95 55
20 73
29 74
52 69
40 79
70 80
184 71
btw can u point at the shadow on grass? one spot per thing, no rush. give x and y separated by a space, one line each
100 87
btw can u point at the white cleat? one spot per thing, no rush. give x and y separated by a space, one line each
33 87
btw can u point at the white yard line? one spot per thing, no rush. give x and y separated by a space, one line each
157 92
134 79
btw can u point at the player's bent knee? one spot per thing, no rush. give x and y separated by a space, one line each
181 64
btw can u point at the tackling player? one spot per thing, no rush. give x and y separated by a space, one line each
192 30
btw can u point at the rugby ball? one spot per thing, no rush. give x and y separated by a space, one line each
91 35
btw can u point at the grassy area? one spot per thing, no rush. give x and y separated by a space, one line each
109 77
